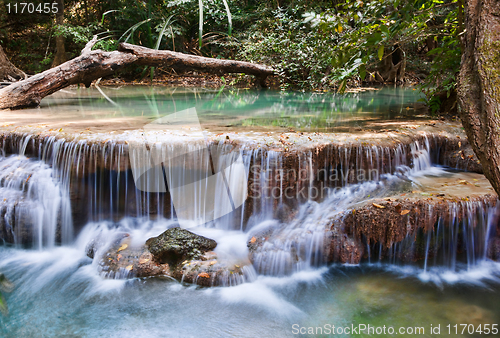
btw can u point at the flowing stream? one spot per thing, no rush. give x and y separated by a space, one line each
287 282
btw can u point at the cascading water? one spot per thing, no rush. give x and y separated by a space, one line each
288 214
34 202
298 239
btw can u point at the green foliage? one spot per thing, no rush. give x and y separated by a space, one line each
325 47
300 53
319 45
80 35
446 63
369 31
210 13
433 102
140 22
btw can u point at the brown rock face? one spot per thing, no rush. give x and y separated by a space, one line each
382 223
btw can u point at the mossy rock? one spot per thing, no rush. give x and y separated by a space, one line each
177 245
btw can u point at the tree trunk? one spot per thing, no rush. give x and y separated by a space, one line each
393 65
391 69
9 72
92 65
60 56
479 84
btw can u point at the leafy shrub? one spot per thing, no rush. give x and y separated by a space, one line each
301 54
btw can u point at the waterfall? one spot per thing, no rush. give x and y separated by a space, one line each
34 201
62 187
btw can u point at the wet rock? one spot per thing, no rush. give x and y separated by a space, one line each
98 243
123 260
176 253
494 249
17 222
463 158
177 245
209 270
279 251
258 240
6 233
285 213
402 221
344 249
91 249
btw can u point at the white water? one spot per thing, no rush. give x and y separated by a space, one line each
294 245
33 195
61 291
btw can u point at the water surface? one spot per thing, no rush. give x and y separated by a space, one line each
130 107
60 291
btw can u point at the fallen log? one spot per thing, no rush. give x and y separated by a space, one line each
92 65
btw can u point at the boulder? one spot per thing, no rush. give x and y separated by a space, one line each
177 245
176 253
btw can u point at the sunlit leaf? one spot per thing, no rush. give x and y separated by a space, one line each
144 260
122 247
381 53
107 12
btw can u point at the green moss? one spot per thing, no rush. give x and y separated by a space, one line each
490 56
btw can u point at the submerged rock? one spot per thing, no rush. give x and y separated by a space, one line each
211 270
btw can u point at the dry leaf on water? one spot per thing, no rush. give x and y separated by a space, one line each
404 212
123 247
143 260
129 267
204 275
253 240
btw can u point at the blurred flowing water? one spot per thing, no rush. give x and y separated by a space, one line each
62 292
